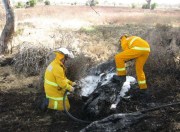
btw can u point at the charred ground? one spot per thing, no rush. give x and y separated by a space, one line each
18 112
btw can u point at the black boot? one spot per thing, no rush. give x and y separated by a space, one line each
118 79
133 94
44 105
145 96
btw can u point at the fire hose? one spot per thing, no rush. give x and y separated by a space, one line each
69 114
140 112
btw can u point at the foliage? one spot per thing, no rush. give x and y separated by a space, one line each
145 6
18 32
27 4
153 6
32 3
87 4
47 2
92 3
19 5
74 3
133 6
148 4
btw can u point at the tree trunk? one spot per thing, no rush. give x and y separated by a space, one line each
8 30
149 3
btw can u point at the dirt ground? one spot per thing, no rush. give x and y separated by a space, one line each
18 93
18 109
19 114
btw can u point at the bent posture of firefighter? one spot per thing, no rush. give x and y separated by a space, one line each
56 82
133 48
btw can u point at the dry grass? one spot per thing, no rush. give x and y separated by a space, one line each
107 15
55 26
83 15
10 81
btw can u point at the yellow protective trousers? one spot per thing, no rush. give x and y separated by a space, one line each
57 103
140 57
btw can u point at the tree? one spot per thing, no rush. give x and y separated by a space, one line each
92 3
7 33
153 6
148 4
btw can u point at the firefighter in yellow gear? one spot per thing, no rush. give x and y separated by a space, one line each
136 48
56 82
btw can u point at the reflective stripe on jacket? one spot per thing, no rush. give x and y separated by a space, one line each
135 43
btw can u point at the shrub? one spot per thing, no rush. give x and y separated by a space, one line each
153 6
145 6
19 31
87 4
30 59
47 2
93 3
74 3
19 5
27 4
133 6
97 2
32 3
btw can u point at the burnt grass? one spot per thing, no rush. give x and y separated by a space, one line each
18 112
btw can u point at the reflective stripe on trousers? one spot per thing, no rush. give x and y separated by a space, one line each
142 82
121 69
140 48
55 100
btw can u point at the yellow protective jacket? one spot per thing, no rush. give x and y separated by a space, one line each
135 43
55 83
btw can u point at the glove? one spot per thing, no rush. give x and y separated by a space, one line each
72 89
74 83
